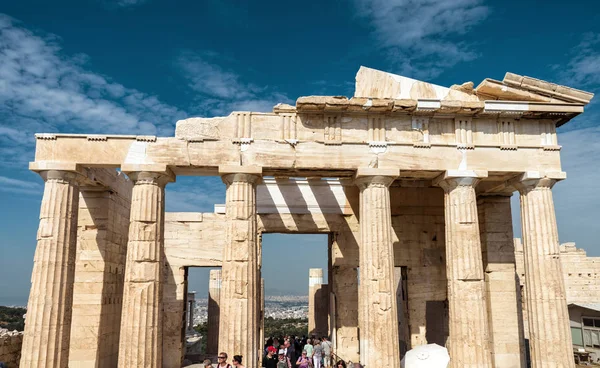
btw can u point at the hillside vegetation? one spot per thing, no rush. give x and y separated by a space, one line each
11 318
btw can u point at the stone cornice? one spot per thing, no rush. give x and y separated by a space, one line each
559 111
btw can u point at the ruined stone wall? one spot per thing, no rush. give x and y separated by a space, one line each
102 234
419 244
581 275
580 272
10 347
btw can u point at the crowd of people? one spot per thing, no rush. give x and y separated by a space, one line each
292 352
288 352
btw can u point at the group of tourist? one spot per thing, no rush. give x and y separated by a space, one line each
222 361
292 352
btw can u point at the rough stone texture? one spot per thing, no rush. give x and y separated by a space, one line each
580 275
238 324
103 225
580 272
375 83
174 291
419 245
48 324
318 303
214 298
550 344
10 347
142 318
502 285
469 340
377 302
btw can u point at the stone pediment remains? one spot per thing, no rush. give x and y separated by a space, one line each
377 84
381 92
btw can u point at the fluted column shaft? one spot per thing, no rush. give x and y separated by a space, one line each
240 283
140 344
469 340
214 292
49 310
377 303
549 333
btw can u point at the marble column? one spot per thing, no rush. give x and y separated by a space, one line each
344 285
261 320
214 291
318 303
315 280
240 283
549 334
48 324
378 319
469 340
191 304
141 342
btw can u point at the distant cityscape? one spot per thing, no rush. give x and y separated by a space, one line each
278 307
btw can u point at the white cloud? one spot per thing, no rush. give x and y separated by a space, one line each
12 185
584 67
43 90
222 91
420 36
130 2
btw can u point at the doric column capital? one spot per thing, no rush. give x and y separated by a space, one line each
61 176
149 174
532 180
237 173
151 178
453 179
368 177
66 172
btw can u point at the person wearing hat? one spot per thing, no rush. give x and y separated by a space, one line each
283 362
270 360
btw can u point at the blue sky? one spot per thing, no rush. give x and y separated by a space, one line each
136 67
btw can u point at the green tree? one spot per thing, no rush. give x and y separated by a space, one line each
285 326
11 318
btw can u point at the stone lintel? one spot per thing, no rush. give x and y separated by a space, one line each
156 168
367 171
239 169
184 216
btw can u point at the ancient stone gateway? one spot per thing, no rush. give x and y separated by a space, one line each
410 180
